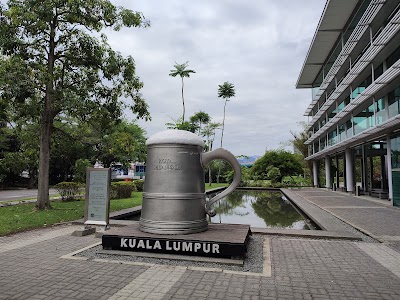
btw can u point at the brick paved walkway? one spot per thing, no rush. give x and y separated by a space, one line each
32 267
373 217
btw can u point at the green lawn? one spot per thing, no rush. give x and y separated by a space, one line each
215 185
24 216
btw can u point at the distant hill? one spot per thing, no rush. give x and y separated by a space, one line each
248 161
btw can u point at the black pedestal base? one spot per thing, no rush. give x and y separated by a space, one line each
220 240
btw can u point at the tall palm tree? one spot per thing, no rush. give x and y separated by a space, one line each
180 69
225 91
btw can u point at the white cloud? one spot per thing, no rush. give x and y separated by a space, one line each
257 45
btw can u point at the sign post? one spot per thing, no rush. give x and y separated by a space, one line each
97 200
97 206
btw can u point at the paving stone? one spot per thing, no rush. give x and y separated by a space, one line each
302 268
375 217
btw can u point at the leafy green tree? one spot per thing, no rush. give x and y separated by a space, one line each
80 170
200 118
179 124
19 153
226 91
245 175
53 66
274 174
288 164
180 69
208 133
298 143
126 143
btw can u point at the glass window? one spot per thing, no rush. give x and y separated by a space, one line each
342 132
378 71
394 102
395 56
333 57
332 137
347 100
395 149
340 107
322 122
140 169
364 120
349 129
359 123
317 84
358 90
316 147
322 143
332 114
380 111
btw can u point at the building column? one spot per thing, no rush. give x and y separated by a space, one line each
315 172
337 171
364 168
349 170
389 167
328 179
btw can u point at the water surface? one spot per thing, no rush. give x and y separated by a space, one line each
265 209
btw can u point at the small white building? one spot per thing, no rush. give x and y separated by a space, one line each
136 170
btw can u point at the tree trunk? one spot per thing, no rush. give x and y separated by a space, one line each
222 137
43 200
209 176
46 126
209 165
183 103
223 123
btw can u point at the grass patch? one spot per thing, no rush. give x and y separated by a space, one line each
23 217
215 185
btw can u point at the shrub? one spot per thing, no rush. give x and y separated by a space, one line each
257 183
274 174
288 182
69 190
139 185
122 189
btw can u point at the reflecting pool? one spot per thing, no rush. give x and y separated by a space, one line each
265 209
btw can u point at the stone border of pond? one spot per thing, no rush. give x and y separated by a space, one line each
331 227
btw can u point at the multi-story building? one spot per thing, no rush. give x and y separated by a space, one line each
353 70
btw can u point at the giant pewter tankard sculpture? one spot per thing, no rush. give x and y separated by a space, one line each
174 199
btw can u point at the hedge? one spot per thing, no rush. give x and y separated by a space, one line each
69 190
139 185
122 189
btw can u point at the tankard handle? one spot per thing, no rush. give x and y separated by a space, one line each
221 153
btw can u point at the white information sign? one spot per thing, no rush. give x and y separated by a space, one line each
97 196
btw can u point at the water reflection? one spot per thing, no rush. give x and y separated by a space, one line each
264 209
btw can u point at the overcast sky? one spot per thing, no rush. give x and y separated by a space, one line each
257 45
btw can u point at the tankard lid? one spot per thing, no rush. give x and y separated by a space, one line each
175 136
